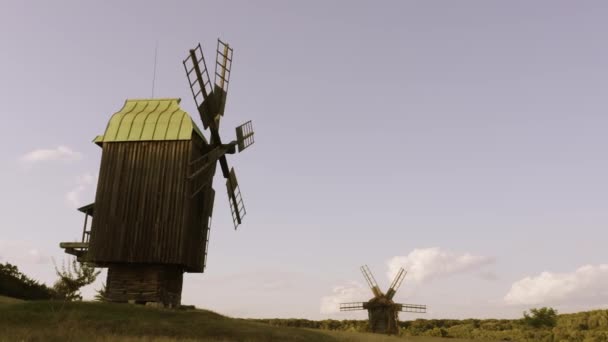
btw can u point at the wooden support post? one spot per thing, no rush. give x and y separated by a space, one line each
84 229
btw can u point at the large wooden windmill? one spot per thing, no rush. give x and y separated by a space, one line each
154 199
382 311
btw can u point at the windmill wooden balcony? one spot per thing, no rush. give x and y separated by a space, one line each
79 249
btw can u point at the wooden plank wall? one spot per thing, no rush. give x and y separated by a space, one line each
144 283
199 213
143 209
136 216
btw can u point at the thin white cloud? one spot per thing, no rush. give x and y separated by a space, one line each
21 252
84 182
352 292
423 264
63 153
588 284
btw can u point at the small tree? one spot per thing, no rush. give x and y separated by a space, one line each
72 279
101 294
541 317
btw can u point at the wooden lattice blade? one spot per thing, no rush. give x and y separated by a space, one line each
200 85
351 306
237 207
416 308
371 281
396 283
244 135
223 66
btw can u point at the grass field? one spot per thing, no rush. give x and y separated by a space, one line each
9 300
89 321
362 337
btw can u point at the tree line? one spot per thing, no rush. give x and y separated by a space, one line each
539 324
71 278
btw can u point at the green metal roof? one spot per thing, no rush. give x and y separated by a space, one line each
149 119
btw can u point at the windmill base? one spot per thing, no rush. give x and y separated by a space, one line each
383 320
159 285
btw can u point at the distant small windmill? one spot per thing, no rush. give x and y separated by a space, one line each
383 312
155 196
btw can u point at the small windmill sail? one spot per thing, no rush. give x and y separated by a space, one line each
382 311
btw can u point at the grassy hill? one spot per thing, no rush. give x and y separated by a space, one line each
86 321
93 321
589 326
90 321
9 300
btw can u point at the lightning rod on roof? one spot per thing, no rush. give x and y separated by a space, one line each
154 72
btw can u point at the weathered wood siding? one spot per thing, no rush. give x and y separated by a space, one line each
200 209
144 212
144 283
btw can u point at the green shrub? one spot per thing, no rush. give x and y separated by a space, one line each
15 284
72 279
543 317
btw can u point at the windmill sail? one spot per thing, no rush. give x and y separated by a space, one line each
244 135
202 170
204 162
210 100
223 66
351 306
396 283
416 308
200 85
237 206
371 281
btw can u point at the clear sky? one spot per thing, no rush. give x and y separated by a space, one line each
463 140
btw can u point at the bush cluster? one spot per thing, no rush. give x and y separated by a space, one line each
541 324
15 284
